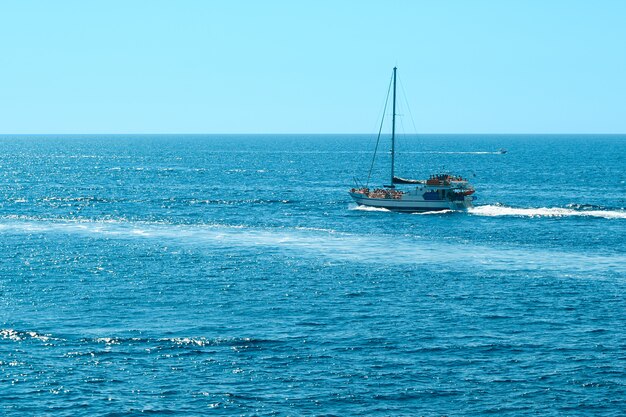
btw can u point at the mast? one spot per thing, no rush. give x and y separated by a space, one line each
393 128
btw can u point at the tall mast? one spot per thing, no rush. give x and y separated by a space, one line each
393 127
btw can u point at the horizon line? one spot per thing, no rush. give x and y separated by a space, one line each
308 133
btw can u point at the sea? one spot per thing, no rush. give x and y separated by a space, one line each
233 275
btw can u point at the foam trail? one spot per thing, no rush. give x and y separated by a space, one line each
335 246
495 211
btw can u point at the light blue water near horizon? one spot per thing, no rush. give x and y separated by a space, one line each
231 274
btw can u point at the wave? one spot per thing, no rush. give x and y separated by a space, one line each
241 202
589 207
315 229
430 213
367 208
18 336
192 201
179 341
456 152
159 342
119 228
573 211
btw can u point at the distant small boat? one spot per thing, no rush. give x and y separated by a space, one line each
441 191
502 150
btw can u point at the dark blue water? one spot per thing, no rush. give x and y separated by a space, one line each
232 275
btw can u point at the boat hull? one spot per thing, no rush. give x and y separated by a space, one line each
411 205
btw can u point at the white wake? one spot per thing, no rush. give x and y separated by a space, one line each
496 210
336 246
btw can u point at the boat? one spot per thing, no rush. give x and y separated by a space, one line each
441 191
502 150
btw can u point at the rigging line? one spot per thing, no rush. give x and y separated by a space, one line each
407 106
402 138
401 131
369 174
403 135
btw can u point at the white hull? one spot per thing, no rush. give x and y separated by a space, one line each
412 203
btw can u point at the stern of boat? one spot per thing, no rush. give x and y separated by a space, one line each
466 203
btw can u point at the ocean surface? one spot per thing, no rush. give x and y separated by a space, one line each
232 275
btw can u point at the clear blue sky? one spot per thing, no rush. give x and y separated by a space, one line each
184 66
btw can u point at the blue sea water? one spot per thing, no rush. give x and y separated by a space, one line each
232 275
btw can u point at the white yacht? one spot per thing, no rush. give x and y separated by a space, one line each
443 191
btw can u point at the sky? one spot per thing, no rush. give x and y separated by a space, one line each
208 66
